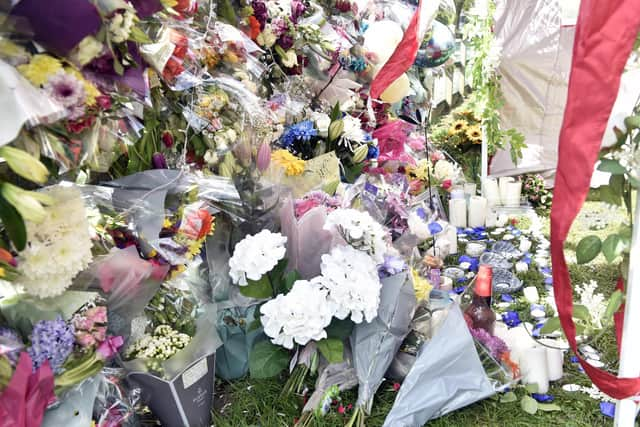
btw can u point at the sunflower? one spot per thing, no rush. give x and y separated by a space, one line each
474 134
459 126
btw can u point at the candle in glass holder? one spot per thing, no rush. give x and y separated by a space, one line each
451 234
457 193
534 368
469 189
458 212
477 211
491 191
492 217
503 183
555 359
512 197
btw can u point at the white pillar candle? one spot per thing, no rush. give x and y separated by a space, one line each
519 341
531 294
503 183
512 197
458 212
492 216
457 193
470 189
492 191
555 363
452 236
534 369
525 245
477 211
443 246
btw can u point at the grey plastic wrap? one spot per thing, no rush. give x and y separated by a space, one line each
76 409
375 344
446 376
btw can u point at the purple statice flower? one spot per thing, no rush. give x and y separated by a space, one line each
511 319
10 344
494 345
297 10
51 340
392 265
285 41
260 12
303 131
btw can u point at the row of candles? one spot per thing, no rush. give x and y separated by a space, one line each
468 210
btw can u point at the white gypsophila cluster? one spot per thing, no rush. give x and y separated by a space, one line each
163 344
352 279
594 302
256 255
629 158
120 26
58 248
299 316
360 230
418 226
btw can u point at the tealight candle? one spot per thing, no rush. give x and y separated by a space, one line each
525 245
491 191
531 294
458 212
477 211
537 311
522 267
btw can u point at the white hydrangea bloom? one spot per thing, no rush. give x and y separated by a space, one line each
299 316
57 249
256 255
360 230
352 279
444 170
418 226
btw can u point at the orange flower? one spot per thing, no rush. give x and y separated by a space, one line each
254 24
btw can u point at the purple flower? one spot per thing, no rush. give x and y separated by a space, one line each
373 152
10 344
392 265
434 228
511 319
506 298
473 262
158 161
285 41
297 10
459 289
548 281
300 131
574 359
260 12
68 91
51 340
536 330
543 398
421 213
494 345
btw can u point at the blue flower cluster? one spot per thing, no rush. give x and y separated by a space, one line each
511 319
302 131
51 340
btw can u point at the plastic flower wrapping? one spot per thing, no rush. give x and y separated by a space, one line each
200 188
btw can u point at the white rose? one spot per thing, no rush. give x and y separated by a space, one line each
322 122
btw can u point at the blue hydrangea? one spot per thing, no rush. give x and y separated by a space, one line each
511 319
51 340
302 131
373 152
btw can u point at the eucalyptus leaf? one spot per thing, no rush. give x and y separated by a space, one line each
508 397
550 326
616 183
529 405
332 349
267 360
612 166
588 248
612 247
614 304
548 407
608 194
531 388
581 312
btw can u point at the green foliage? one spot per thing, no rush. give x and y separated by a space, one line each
267 360
332 349
257 288
588 248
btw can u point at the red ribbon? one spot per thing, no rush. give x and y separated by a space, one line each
605 33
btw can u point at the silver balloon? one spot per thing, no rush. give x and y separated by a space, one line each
437 46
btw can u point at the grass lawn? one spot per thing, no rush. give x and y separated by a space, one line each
257 403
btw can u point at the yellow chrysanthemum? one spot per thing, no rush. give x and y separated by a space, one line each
90 90
293 166
421 286
194 248
474 134
10 49
40 69
459 126
419 171
167 223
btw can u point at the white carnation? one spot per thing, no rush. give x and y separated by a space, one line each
120 26
256 255
299 316
418 226
360 230
352 130
57 249
444 170
352 279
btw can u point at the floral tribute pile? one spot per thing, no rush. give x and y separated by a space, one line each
189 179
